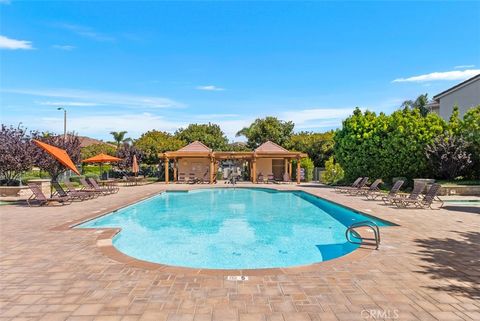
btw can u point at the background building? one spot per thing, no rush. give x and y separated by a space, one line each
466 95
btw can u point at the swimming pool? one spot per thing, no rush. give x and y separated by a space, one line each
226 228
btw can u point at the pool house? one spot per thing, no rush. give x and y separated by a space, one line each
197 159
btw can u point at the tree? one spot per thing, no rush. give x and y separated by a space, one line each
318 146
238 147
46 162
209 134
119 137
455 123
95 149
448 156
419 103
126 152
16 152
333 172
154 142
386 146
307 165
470 131
269 128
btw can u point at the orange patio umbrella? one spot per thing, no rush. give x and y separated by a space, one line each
135 168
59 154
102 158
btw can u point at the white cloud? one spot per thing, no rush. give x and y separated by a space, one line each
63 47
217 116
87 32
210 88
464 66
100 98
101 125
446 75
68 103
14 44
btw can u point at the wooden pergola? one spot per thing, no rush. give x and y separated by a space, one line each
267 150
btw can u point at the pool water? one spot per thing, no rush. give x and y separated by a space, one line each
233 228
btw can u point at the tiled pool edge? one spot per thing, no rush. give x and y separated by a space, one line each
104 243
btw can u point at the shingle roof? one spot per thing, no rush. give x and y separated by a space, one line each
195 146
87 141
270 147
458 86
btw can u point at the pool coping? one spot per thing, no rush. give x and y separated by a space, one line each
104 243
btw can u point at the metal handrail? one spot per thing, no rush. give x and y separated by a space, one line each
373 226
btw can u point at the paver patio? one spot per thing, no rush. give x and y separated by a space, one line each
427 268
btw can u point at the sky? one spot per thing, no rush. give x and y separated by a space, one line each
138 66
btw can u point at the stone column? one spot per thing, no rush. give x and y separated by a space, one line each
212 169
254 170
166 170
298 170
175 170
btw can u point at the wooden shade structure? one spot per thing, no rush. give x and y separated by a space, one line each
59 154
267 150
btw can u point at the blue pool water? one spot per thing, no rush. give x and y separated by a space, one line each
233 228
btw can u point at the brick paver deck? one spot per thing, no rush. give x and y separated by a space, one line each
427 268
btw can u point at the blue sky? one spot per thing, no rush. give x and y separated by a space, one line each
138 66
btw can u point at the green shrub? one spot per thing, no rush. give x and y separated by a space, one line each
386 146
333 172
470 131
307 165
94 169
76 179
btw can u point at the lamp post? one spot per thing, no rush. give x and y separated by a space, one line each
64 122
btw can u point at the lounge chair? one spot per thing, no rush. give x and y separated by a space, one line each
88 188
111 185
392 193
192 179
71 190
181 178
73 196
423 202
260 178
357 188
232 178
271 179
366 190
354 184
105 190
414 195
132 181
203 180
42 199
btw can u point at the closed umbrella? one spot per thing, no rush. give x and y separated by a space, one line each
102 158
59 154
135 168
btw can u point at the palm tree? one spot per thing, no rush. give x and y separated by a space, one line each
119 137
420 103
